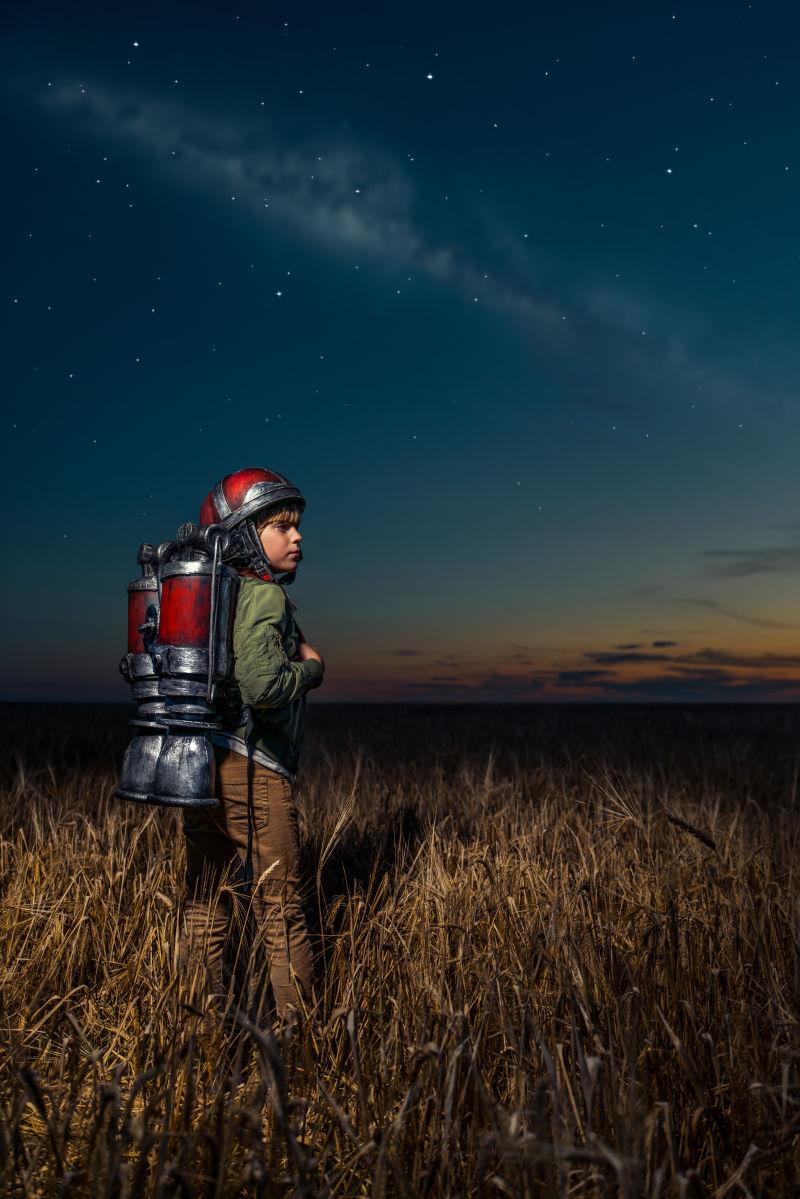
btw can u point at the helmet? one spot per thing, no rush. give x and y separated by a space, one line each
236 500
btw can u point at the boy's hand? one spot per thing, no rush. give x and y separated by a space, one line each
306 651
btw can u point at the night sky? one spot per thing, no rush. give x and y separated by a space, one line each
510 291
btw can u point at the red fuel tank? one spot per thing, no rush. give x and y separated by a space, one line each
143 604
196 615
186 606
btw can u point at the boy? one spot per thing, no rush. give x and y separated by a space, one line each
242 858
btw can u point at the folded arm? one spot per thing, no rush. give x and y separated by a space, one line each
266 677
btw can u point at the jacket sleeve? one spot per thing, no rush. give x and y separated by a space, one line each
266 677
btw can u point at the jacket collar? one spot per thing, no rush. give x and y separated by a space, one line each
266 577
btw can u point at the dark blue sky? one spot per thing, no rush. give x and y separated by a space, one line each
510 291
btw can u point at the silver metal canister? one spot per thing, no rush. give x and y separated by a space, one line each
178 658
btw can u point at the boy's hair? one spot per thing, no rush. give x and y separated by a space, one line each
289 515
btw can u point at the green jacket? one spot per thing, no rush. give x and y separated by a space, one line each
265 638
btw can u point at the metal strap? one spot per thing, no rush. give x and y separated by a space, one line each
220 502
248 866
212 620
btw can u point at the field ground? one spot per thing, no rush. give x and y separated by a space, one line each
558 947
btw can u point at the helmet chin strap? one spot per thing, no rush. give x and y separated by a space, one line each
259 561
251 549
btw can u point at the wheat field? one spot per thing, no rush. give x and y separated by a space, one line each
558 951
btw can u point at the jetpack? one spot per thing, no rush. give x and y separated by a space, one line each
180 656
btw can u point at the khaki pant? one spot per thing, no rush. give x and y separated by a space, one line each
244 924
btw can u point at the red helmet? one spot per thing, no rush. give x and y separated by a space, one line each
244 493
235 500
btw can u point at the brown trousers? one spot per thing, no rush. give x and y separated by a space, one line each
243 920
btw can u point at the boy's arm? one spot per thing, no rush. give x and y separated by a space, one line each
265 675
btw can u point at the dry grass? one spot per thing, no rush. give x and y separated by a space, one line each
560 953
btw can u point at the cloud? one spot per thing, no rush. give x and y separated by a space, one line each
701 675
646 592
630 645
687 684
663 644
774 559
748 661
616 659
406 653
760 622
495 684
767 661
579 678
704 682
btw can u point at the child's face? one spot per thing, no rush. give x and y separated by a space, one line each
281 543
